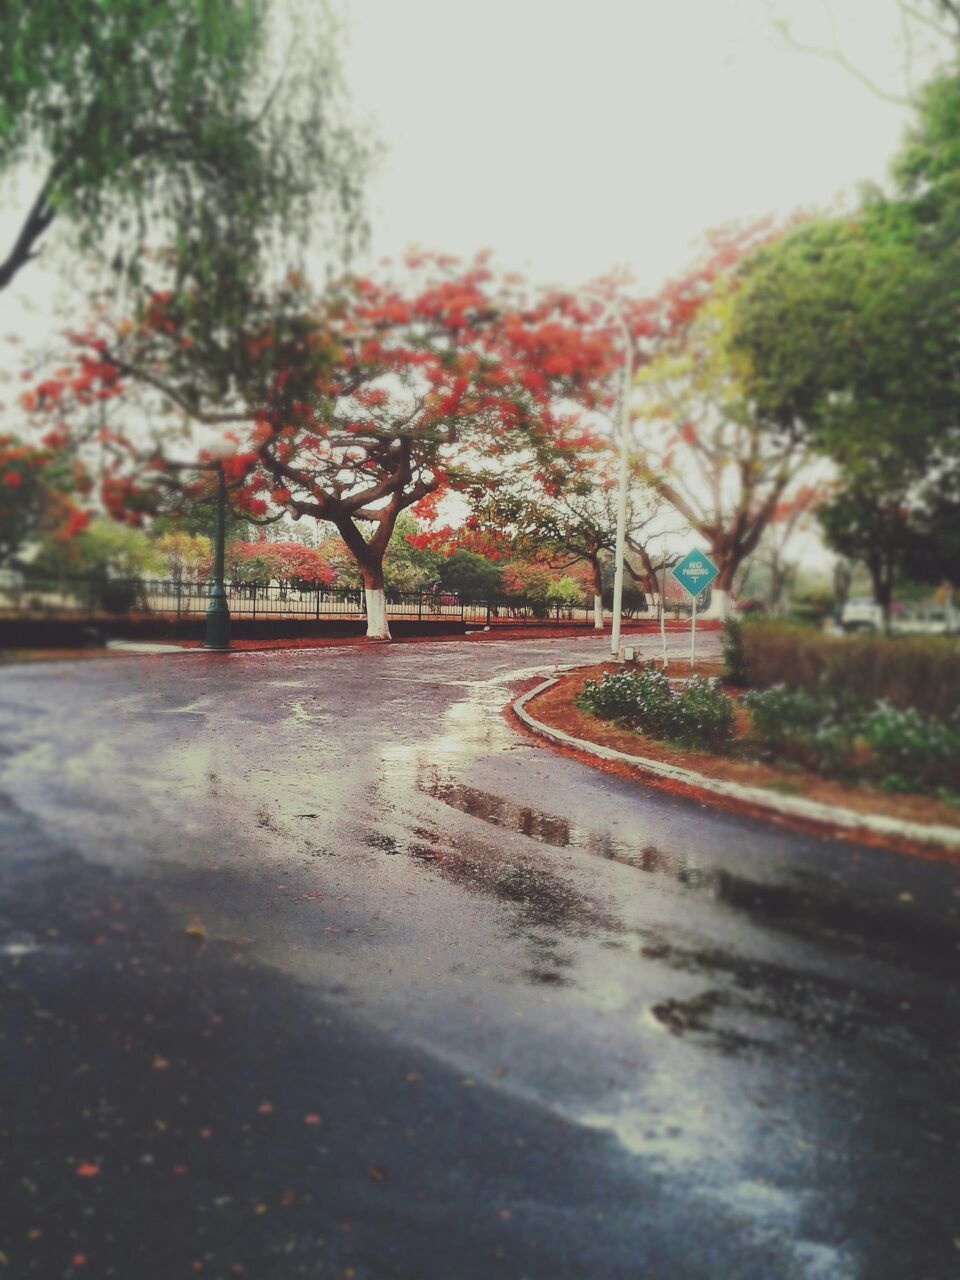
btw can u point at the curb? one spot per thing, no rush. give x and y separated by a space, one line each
755 797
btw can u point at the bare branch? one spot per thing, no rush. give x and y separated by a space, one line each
838 57
38 219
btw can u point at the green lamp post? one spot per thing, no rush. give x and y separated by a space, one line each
218 614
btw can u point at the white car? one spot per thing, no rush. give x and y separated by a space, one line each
864 614
861 613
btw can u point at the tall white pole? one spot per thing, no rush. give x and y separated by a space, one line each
693 635
621 545
663 609
613 309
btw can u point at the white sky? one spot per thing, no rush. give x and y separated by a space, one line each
575 136
572 136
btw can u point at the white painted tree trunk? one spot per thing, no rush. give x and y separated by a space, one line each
654 606
598 613
377 626
721 606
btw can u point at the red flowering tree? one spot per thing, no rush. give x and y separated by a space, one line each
290 563
37 486
565 512
349 410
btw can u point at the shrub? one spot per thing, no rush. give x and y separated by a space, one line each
902 750
911 752
920 672
707 715
699 716
633 698
780 713
814 729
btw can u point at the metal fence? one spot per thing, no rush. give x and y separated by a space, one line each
122 597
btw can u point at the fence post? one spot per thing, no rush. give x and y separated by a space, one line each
419 606
254 598
488 613
318 604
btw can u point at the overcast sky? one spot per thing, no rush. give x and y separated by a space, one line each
575 136
572 136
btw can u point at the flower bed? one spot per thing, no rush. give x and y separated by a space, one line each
824 732
743 763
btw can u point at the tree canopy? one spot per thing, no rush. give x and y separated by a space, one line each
196 125
850 328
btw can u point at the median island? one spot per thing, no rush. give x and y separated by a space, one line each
867 726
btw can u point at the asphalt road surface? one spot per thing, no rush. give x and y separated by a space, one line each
311 965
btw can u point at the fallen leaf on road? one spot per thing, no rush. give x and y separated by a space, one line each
87 1170
376 1174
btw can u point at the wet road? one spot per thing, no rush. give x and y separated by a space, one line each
312 966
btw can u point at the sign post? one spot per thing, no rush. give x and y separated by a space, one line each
695 572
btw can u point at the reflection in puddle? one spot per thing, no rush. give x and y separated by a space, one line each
549 829
820 908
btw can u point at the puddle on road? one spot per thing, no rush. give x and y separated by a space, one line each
817 908
549 829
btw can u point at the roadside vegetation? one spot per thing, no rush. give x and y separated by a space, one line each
861 711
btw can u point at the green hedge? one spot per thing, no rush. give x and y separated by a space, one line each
857 671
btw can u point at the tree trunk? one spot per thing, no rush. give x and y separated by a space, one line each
721 605
881 572
377 626
597 595
721 597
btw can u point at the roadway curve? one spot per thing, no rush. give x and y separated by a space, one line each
314 966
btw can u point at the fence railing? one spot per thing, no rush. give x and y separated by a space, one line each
91 598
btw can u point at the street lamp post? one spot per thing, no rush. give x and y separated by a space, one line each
218 614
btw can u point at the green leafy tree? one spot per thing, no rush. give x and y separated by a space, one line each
407 567
849 326
186 555
112 560
203 125
709 447
565 515
471 576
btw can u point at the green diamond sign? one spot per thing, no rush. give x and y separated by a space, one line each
695 572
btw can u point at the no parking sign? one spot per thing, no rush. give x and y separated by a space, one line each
695 572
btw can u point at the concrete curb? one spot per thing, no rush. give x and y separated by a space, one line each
756 797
